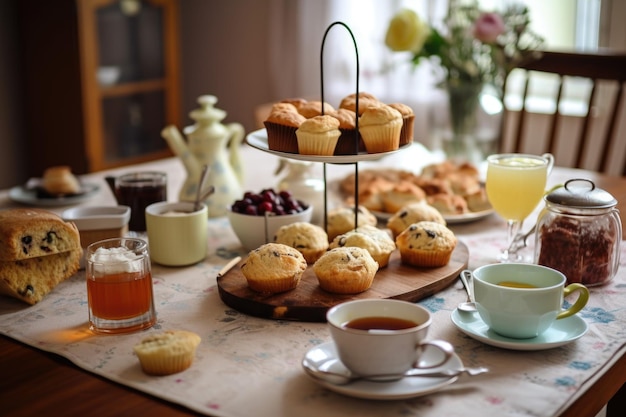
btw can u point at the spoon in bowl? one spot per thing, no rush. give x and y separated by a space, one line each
470 305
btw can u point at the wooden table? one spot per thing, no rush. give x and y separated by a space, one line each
33 382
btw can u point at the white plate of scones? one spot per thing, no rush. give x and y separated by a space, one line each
454 189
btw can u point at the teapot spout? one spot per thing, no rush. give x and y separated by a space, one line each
177 144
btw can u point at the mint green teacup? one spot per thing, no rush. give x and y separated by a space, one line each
522 301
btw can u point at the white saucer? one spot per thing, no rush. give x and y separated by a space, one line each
325 355
560 333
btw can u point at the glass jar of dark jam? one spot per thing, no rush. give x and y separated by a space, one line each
579 233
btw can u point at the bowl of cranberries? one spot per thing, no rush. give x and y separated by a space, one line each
256 217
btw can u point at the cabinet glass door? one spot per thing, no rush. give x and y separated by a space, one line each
131 44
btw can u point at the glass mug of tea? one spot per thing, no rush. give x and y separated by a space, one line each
522 301
384 336
119 286
138 190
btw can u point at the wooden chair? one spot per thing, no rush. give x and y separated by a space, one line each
593 139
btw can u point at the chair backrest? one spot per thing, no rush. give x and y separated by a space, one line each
584 118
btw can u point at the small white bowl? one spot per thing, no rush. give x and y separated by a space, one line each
254 231
98 218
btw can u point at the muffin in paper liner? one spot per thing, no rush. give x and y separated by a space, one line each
281 138
345 270
167 353
380 129
273 268
318 136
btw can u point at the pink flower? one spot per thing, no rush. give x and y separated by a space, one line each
488 27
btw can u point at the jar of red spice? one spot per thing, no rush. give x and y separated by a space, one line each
579 233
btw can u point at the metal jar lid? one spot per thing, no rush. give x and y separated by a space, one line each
581 193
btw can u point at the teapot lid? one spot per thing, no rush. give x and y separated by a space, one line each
581 193
207 112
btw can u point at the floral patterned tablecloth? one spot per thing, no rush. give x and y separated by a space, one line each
251 366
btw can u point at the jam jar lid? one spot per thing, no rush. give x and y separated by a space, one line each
581 193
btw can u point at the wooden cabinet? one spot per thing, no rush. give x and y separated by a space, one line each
101 81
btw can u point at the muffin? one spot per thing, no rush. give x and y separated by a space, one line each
167 353
380 128
307 238
408 120
346 270
341 220
318 136
426 244
377 242
274 268
413 213
365 100
281 126
311 109
350 142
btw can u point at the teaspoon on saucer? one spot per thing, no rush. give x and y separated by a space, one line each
346 377
470 305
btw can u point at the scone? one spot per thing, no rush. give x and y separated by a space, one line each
309 239
426 244
281 126
413 213
318 136
274 268
30 280
59 180
346 270
342 219
380 128
448 203
400 195
167 353
29 233
408 120
377 242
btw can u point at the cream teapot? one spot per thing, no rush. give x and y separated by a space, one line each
211 143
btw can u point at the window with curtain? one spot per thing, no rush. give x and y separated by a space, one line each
565 24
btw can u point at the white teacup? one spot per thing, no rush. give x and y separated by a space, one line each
395 339
177 235
523 300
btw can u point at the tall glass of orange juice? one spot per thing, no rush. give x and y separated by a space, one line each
515 185
119 286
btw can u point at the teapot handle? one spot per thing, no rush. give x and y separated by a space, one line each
237 133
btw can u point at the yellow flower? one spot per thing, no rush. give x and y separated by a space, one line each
406 32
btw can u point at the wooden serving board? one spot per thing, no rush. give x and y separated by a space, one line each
307 302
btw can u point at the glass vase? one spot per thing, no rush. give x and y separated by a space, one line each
473 130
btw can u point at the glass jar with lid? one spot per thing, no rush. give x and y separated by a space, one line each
579 233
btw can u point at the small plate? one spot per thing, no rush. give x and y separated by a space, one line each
449 218
325 355
562 332
24 195
258 139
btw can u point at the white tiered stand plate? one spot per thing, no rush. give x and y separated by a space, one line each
258 140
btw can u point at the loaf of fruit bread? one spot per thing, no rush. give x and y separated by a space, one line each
30 280
27 233
38 250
